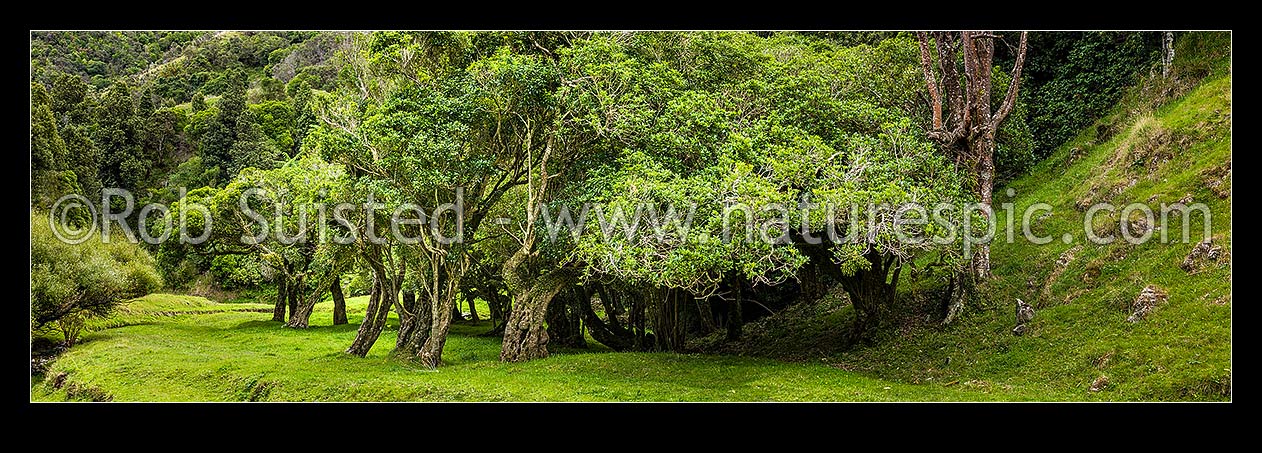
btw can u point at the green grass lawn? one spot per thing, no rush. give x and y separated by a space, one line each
228 355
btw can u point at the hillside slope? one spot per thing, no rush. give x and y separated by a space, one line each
1168 142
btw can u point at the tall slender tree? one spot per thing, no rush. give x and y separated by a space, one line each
963 124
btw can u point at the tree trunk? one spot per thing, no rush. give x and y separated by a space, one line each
473 310
493 305
638 319
415 324
953 301
705 315
295 288
872 292
525 337
431 352
812 286
301 318
1167 53
375 316
456 314
498 306
968 130
985 190
282 296
668 332
407 324
339 302
611 333
735 315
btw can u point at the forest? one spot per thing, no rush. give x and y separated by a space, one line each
630 216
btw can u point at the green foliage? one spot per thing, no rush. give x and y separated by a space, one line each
1073 78
233 141
275 120
48 150
102 56
288 199
780 140
70 281
236 271
1200 55
117 135
67 91
761 132
190 175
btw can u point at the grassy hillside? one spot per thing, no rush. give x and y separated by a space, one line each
1166 143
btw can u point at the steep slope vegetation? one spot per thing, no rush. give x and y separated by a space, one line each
1168 141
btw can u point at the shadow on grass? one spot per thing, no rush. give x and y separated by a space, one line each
270 324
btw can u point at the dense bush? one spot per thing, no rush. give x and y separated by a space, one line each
70 282
1071 79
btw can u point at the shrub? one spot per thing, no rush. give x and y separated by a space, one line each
72 281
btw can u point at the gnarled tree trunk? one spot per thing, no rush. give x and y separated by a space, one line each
473 310
500 311
1167 53
282 297
295 288
612 333
668 331
339 302
525 337
379 303
301 318
456 314
872 292
735 314
638 319
415 324
431 352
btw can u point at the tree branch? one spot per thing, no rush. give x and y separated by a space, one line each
926 64
1011 98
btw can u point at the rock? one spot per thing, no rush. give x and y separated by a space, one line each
1103 361
1067 256
1148 298
1100 383
1084 203
1204 251
1139 226
1103 132
1217 180
1075 153
1025 312
1186 200
1139 314
1019 330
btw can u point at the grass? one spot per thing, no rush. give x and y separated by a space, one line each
230 355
